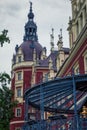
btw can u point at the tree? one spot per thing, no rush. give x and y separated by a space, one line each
6 103
4 38
6 94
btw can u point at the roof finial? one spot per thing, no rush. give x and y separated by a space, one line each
60 35
60 42
61 32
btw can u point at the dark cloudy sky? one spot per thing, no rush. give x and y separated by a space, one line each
48 14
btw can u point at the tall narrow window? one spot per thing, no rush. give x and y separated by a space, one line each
19 76
18 112
19 92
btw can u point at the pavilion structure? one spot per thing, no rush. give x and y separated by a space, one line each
66 101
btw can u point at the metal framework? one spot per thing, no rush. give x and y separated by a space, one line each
63 96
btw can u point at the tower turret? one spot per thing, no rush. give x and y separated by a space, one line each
30 27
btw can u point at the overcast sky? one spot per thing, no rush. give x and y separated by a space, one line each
48 14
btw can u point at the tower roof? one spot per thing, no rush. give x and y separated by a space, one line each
30 43
30 38
28 48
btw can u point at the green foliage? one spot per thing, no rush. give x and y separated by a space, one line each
4 78
4 38
6 103
6 95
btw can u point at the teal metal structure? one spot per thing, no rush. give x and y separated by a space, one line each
64 97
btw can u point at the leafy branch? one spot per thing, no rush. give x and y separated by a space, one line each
4 38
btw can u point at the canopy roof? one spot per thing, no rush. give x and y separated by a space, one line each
58 94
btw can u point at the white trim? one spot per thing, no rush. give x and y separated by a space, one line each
22 64
17 122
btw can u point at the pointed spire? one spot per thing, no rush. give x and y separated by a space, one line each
52 40
30 15
61 32
30 6
60 42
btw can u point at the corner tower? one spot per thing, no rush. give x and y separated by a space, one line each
26 69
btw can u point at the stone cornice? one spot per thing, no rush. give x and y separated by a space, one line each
22 64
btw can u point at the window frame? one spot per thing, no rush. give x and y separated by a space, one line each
19 75
18 94
18 114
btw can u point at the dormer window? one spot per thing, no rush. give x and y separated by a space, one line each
19 56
